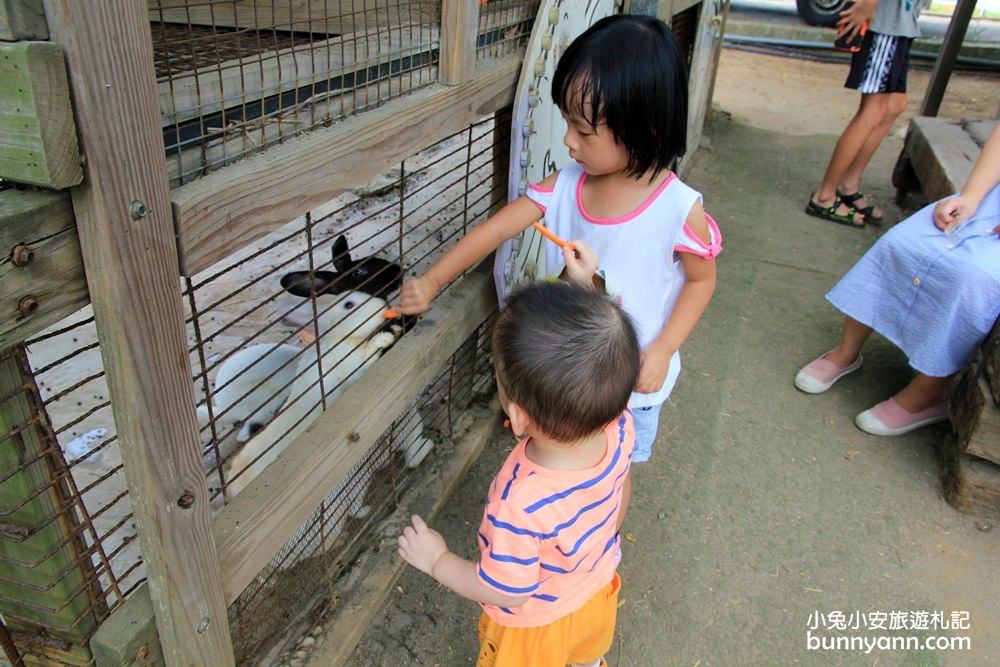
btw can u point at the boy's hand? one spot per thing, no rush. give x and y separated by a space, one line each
953 211
420 546
653 368
581 262
417 294
854 16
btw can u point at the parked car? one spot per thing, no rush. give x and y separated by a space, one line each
821 12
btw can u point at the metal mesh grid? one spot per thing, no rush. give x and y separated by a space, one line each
685 28
272 341
299 585
67 543
504 26
236 76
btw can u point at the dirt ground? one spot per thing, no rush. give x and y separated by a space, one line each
762 505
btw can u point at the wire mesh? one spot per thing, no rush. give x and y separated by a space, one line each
504 27
299 586
279 329
685 28
236 76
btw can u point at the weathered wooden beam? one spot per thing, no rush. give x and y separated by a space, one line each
127 638
224 211
37 134
708 35
47 589
947 57
358 605
41 273
264 516
941 153
126 236
971 484
22 19
459 28
975 417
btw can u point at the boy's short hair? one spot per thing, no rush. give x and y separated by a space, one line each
567 355
628 71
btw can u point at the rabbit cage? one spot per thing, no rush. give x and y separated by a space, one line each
193 354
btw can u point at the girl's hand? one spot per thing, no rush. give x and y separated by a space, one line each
581 262
420 546
416 296
653 368
953 211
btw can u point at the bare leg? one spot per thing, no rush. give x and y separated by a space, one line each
851 340
850 182
923 392
868 118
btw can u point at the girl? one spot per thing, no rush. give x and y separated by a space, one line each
931 285
622 88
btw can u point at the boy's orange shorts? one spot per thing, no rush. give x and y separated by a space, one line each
581 637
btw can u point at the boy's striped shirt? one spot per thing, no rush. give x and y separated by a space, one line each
552 534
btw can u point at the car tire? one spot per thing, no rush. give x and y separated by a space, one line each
820 12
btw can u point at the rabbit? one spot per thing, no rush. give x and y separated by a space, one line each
238 400
350 340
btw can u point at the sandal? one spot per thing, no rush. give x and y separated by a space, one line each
830 213
867 211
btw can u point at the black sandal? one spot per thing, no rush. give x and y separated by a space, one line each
830 213
867 211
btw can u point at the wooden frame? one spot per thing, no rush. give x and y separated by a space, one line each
22 19
459 30
126 237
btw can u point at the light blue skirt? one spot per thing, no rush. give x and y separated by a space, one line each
933 296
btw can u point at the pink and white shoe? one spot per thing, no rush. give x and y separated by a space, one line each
891 418
820 374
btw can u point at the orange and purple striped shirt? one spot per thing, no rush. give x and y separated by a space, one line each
552 534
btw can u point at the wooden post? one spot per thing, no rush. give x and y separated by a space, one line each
947 56
22 19
47 590
127 240
459 30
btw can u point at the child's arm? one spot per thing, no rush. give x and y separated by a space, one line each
626 499
699 285
426 550
509 221
581 264
984 177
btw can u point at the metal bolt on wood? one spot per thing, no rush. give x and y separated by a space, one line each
203 625
22 255
137 210
186 500
27 305
354 437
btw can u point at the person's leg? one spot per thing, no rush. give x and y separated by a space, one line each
921 403
850 181
851 341
646 422
869 117
923 392
823 372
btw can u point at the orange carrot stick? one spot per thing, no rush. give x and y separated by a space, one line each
544 231
390 314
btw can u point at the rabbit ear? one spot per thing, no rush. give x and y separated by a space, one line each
342 254
304 284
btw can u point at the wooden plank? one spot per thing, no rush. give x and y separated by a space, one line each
459 26
37 133
128 637
373 579
42 223
703 65
975 417
991 362
264 516
250 79
22 19
947 56
941 154
971 484
226 210
131 254
47 588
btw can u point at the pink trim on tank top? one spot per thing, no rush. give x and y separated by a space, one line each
538 188
622 218
708 250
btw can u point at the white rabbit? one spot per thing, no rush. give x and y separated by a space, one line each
237 401
350 340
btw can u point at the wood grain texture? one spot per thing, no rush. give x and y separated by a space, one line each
941 153
22 19
134 287
43 222
975 417
127 638
991 362
264 516
459 26
37 134
703 66
226 210
50 588
358 605
971 484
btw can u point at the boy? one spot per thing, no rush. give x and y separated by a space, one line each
566 361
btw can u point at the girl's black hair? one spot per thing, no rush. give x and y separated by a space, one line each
627 71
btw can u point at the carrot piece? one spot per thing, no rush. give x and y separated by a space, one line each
544 231
390 314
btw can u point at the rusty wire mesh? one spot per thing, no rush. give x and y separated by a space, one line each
67 543
236 76
504 27
272 343
299 586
